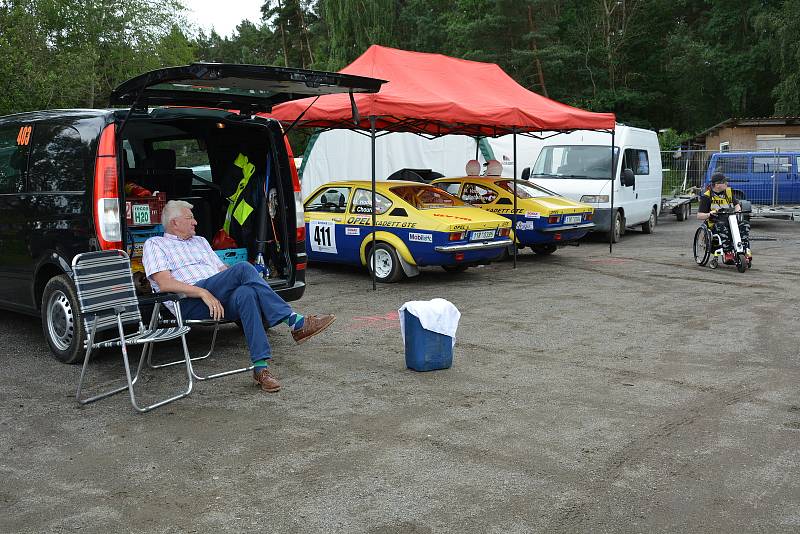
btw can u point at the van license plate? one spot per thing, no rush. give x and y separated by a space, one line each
141 214
572 219
483 234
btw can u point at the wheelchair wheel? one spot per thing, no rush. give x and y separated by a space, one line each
702 245
741 262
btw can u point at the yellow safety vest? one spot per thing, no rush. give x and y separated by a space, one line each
238 208
718 201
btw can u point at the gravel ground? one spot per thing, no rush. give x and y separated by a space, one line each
590 392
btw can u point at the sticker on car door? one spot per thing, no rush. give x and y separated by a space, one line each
323 236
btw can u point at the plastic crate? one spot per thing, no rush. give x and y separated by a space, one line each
426 350
145 211
232 256
137 237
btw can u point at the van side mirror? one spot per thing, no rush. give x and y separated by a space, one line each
526 173
627 178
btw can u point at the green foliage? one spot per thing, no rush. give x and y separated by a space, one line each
682 64
72 53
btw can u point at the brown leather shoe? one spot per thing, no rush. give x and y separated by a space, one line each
267 382
314 324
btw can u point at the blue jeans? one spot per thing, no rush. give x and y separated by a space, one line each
244 295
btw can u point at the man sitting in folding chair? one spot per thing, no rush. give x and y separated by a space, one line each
182 262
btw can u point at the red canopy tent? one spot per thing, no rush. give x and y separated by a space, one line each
435 95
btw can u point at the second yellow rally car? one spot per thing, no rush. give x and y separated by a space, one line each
416 225
545 220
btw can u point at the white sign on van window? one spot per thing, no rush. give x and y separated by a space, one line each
322 235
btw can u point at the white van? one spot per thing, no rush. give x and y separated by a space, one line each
577 165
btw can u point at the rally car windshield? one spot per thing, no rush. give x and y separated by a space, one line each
526 189
426 197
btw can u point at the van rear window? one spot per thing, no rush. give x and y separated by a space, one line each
57 159
13 158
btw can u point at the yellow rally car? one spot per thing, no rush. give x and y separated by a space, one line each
545 220
416 225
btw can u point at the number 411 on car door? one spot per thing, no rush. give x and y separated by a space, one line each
323 236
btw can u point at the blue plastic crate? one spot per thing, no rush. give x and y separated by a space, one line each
426 350
232 256
137 237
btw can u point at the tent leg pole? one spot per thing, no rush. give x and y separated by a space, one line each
613 220
372 138
514 181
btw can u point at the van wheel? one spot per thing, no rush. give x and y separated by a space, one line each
387 265
649 226
616 228
61 319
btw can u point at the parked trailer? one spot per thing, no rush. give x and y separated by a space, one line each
679 205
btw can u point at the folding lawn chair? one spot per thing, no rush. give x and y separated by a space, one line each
160 321
107 300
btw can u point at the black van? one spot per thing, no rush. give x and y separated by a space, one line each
64 176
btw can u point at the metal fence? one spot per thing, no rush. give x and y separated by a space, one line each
764 178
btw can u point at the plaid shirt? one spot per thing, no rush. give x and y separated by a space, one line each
189 260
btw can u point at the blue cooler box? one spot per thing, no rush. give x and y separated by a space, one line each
426 350
232 256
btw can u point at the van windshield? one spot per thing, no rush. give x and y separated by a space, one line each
588 162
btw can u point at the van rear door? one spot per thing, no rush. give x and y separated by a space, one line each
247 88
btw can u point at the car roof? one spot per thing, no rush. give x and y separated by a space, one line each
383 184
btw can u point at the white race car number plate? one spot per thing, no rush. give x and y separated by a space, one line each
572 219
483 234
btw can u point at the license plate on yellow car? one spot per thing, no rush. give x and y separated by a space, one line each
483 234
572 219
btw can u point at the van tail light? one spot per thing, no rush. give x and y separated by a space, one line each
300 223
106 192
504 232
553 219
456 236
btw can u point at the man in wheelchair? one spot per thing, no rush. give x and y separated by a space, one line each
717 199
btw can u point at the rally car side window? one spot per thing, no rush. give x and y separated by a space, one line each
478 194
450 187
362 202
330 199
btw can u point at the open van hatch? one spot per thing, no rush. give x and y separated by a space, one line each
247 88
198 150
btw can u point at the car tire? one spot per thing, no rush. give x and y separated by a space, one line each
459 268
505 253
62 322
544 250
617 226
649 226
387 264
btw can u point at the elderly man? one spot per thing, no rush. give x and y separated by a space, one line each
183 262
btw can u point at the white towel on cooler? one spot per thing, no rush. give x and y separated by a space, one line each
437 315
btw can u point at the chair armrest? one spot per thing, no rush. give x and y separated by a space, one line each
161 297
